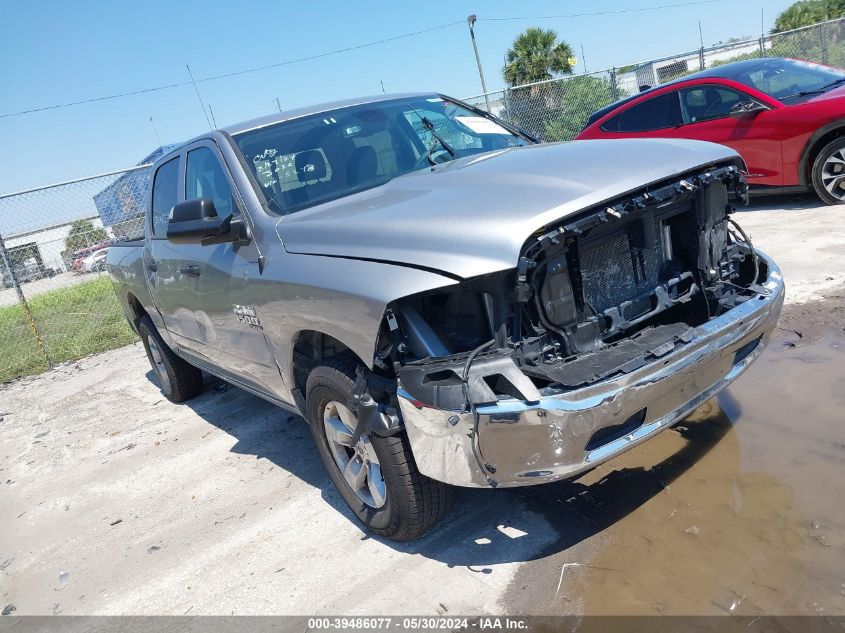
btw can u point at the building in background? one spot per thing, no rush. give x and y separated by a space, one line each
41 252
658 71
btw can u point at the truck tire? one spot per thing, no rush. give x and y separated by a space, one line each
377 478
178 379
829 172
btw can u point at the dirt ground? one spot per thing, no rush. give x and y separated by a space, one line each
806 239
114 501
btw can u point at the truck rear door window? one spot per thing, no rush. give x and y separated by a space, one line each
164 196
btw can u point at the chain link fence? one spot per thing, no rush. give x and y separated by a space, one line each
557 109
57 304
553 110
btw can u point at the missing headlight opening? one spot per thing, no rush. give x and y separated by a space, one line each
599 294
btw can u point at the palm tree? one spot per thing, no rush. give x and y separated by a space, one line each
536 55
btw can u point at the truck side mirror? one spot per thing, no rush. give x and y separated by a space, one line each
197 222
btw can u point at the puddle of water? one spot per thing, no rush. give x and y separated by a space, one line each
739 509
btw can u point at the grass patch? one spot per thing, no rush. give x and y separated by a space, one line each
73 322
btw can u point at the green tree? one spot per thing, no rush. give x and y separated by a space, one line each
582 95
807 12
825 46
536 55
83 234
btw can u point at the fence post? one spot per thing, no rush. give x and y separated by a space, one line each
507 99
614 93
823 33
30 321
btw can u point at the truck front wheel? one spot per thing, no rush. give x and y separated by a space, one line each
178 380
377 477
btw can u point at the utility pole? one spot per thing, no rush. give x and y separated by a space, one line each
583 59
471 23
762 34
701 50
278 104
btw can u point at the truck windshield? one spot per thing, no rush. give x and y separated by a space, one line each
321 157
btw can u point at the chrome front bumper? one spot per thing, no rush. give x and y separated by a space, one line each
537 442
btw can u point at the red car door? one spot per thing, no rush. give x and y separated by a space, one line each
706 115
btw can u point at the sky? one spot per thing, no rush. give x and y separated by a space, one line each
58 52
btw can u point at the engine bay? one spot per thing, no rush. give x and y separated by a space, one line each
599 294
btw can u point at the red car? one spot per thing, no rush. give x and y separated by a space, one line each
786 118
82 258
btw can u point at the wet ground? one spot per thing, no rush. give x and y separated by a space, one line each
739 509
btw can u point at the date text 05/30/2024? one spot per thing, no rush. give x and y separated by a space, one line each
424 623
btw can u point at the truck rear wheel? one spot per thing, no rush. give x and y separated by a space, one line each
829 172
178 379
377 477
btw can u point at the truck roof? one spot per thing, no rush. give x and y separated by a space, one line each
295 113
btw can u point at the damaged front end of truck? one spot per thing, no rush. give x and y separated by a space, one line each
615 323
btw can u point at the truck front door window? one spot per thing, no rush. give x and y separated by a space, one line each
205 178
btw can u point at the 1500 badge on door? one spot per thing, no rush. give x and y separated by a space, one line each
246 314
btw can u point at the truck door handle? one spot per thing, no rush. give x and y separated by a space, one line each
192 269
152 267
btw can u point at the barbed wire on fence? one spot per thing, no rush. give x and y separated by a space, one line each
56 303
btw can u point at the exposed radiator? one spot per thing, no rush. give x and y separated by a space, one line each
614 271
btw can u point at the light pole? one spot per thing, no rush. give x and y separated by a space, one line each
470 23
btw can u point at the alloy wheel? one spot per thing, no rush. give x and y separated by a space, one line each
158 365
358 464
833 174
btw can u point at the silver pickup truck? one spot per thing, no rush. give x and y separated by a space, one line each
445 300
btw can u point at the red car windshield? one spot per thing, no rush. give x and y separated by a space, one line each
789 80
